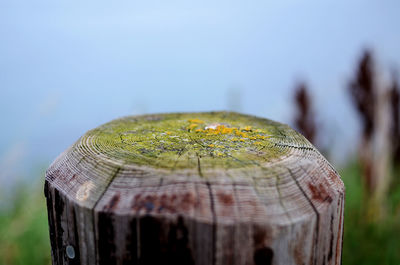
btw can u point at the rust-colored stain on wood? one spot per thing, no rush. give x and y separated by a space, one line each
226 199
164 203
319 193
113 203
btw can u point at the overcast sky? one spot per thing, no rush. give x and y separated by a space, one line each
68 66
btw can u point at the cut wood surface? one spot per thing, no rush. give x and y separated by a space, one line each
194 188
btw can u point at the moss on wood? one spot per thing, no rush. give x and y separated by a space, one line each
121 193
178 141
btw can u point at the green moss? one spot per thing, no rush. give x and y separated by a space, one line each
177 141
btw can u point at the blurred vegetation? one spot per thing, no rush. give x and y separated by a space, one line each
24 237
368 242
372 180
304 120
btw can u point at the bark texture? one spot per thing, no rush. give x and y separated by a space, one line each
194 188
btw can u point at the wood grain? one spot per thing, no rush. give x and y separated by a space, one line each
194 188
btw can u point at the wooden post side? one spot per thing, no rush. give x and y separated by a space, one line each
194 188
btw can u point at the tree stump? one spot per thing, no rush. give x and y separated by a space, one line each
194 188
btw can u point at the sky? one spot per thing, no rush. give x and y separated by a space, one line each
69 66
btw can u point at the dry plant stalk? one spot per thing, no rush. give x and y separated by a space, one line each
372 103
305 120
395 129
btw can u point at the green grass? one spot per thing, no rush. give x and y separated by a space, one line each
24 235
365 242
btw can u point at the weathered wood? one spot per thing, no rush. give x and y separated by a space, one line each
194 188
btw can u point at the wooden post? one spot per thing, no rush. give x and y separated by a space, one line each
194 188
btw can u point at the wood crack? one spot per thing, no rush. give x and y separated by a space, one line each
315 211
94 207
214 224
199 166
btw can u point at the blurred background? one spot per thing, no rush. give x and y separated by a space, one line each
329 69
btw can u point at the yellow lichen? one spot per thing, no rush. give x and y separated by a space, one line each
196 121
218 153
192 126
218 129
242 134
226 130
